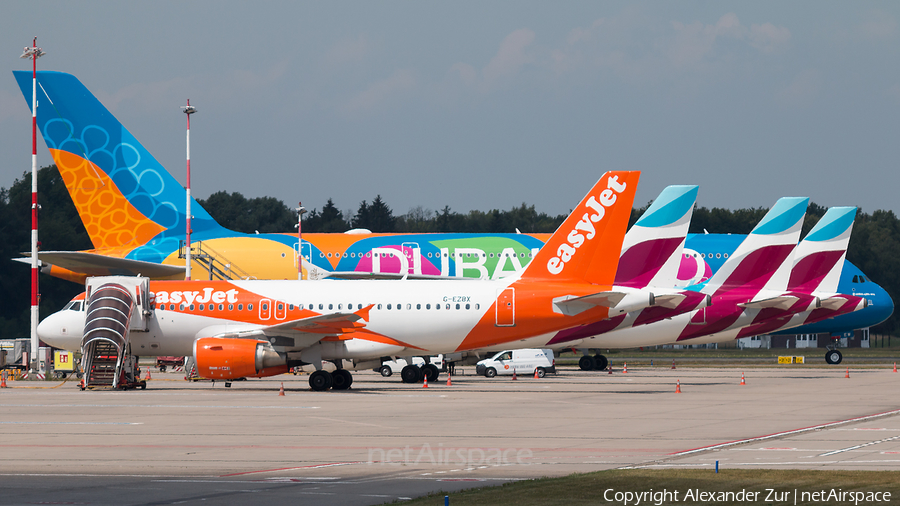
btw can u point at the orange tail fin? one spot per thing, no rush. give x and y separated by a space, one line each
586 247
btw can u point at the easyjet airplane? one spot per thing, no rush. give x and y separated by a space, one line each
134 212
258 328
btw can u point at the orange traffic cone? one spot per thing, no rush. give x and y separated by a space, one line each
148 378
514 375
81 384
742 379
3 380
625 368
281 392
677 386
673 363
426 382
609 368
895 366
848 373
449 383
536 374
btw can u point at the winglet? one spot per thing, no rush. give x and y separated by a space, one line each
586 247
364 313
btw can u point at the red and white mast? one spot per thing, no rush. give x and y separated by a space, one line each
34 53
188 110
300 211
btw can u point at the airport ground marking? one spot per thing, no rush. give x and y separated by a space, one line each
870 443
784 433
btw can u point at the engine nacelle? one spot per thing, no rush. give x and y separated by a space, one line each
220 358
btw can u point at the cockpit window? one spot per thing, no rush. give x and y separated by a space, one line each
74 305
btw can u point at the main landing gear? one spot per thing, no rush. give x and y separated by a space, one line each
597 362
322 380
415 374
833 356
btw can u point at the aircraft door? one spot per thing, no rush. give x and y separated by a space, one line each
265 309
505 308
413 254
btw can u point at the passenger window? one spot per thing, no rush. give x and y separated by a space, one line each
409 306
249 307
340 306
181 307
330 306
192 307
379 306
231 307
467 306
240 307
265 306
427 306
457 306
221 307
448 306
201 307
477 306
321 307
388 306
290 307
418 306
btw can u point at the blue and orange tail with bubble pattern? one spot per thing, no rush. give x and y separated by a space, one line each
124 196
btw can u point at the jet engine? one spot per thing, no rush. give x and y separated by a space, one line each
220 358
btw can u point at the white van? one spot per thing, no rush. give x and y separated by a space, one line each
523 362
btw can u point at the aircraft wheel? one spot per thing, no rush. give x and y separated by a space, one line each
431 372
411 374
490 372
342 379
833 357
386 371
601 361
541 372
162 368
587 363
320 380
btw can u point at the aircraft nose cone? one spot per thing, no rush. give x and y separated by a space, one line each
61 330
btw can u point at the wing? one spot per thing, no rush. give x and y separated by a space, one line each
93 264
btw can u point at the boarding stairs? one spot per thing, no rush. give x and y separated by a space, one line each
212 261
116 306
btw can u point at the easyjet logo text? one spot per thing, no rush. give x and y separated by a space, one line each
584 230
207 295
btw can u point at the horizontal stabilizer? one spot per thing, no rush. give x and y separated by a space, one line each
93 264
832 303
783 302
621 301
670 301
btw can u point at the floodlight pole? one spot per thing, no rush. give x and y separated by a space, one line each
300 211
188 110
34 53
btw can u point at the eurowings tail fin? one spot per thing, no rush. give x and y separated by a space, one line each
123 195
820 255
586 247
762 261
651 252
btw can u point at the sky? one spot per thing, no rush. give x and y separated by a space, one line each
484 105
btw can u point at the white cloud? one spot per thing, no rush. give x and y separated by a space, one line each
768 37
803 89
376 94
349 50
510 57
878 26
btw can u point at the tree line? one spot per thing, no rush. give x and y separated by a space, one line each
873 245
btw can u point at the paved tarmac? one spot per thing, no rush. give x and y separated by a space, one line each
384 440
